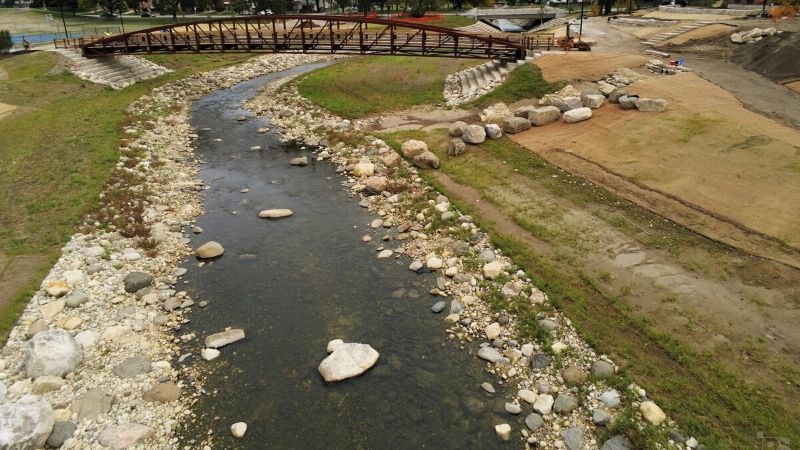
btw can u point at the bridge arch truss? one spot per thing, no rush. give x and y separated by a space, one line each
346 35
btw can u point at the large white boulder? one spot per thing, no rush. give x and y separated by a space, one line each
474 134
544 115
25 425
52 352
577 115
348 360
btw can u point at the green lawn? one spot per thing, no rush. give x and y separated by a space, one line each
359 87
57 150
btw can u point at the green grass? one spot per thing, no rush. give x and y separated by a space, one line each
525 81
360 87
708 401
58 149
33 21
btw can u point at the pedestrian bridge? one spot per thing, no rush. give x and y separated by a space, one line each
346 35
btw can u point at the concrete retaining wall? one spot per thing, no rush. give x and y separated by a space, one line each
719 12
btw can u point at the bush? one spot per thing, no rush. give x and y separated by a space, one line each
5 41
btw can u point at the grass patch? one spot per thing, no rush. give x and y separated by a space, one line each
58 150
359 87
708 400
525 81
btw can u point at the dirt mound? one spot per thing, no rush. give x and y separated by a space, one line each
775 57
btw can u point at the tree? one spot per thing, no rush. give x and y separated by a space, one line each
168 7
5 41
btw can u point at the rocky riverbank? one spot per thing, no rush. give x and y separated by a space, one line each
565 394
91 361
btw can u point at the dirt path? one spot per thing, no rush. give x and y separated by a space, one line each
588 66
16 274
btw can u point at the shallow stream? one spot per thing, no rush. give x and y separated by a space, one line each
293 285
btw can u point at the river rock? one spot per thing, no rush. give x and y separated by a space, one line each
601 417
210 249
364 169
125 435
47 383
567 103
511 289
474 134
611 398
62 431
413 147
377 184
76 299
534 421
92 404
493 331
493 131
652 413
163 393
209 354
493 270
602 369
426 160
223 338
434 263
513 408
52 352
348 360
299 161
456 129
628 101
543 404
617 443
543 116
239 429
574 375
614 96
50 310
573 438
36 327
456 147
486 256
492 355
275 213
577 115
565 403
25 425
487 387
513 125
136 281
503 431
438 307
390 159
132 367
651 105
56 288
527 396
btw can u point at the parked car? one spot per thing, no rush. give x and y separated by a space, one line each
108 15
145 14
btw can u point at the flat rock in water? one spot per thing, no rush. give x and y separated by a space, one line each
210 249
301 161
224 338
124 436
348 360
275 213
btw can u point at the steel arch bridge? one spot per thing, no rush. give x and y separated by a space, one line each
346 35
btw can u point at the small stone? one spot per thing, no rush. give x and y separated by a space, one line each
92 404
76 299
577 115
132 367
434 263
487 387
456 147
601 417
573 438
493 330
125 435
383 254
299 161
163 393
136 281
61 432
617 443
209 354
527 396
438 307
513 408
574 375
275 213
565 403
413 147
543 404
492 355
611 398
347 360
239 429
534 421
503 431
47 383
493 270
56 288
652 413
602 369
540 361
224 338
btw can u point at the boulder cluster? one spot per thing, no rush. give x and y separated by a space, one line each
752 36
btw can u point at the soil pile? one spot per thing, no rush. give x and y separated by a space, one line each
775 57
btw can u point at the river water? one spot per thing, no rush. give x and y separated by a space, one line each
293 285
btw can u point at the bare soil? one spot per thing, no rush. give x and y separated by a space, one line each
793 85
586 66
705 32
6 110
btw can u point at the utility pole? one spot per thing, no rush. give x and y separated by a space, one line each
580 30
121 24
61 8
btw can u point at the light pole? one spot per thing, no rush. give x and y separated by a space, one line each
580 29
63 21
121 23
